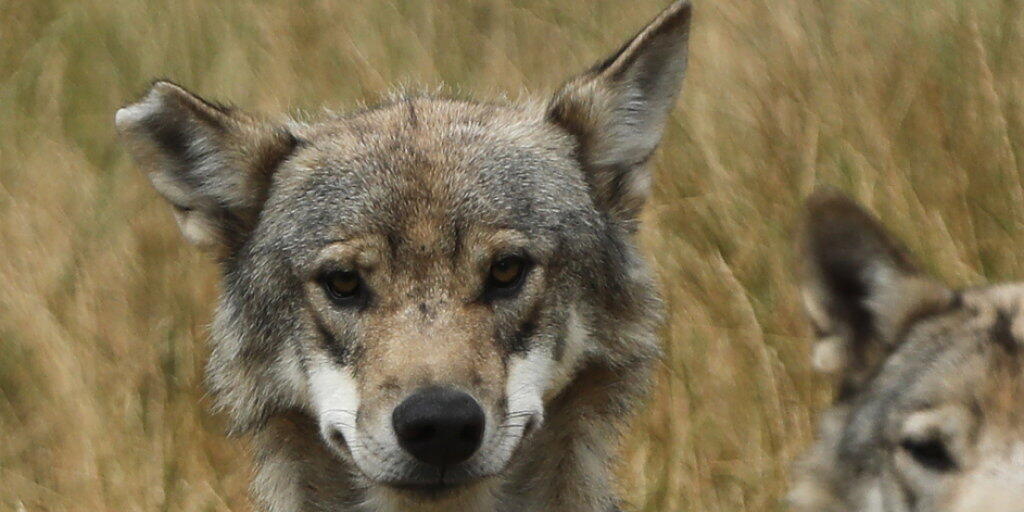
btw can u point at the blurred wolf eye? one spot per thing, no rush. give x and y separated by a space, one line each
930 453
506 274
342 286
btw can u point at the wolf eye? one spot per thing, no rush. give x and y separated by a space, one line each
507 274
342 286
930 453
507 271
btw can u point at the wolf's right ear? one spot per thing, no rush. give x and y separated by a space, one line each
618 109
860 288
213 164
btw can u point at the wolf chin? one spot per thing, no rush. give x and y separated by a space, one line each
929 414
432 304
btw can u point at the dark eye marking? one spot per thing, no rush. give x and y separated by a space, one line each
339 352
930 453
521 339
1002 333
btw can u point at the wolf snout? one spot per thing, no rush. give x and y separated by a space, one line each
439 426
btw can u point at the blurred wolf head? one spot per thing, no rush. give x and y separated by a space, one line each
429 304
929 414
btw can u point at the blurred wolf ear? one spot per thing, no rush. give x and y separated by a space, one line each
860 288
213 164
618 109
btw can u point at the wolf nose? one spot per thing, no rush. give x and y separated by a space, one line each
439 426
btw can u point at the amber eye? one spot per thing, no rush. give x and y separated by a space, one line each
507 272
342 285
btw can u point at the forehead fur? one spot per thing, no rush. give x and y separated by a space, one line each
968 355
979 338
421 158
999 388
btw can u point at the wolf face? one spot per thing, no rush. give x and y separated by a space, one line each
931 391
427 284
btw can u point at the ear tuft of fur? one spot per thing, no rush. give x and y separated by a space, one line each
212 163
829 356
618 110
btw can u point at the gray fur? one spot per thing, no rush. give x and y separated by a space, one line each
417 194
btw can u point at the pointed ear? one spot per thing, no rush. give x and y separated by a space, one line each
212 163
617 110
860 288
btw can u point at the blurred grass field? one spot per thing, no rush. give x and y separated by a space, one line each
916 107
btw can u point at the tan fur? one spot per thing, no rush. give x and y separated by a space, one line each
416 201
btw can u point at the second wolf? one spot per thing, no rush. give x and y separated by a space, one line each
929 415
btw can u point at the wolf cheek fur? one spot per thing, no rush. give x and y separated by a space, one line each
428 255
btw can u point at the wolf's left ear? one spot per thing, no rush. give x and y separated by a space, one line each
211 163
618 109
860 288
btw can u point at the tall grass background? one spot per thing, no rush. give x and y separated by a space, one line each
915 107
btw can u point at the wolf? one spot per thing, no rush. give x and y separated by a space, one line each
929 410
433 303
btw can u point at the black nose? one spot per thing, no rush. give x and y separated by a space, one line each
439 426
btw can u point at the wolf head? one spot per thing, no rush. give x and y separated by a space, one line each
421 278
930 410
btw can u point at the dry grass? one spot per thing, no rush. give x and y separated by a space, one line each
916 107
